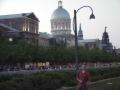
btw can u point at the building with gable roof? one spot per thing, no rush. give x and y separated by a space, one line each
26 22
20 26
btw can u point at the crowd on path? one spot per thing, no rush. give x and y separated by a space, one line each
28 67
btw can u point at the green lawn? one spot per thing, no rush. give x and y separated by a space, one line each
113 84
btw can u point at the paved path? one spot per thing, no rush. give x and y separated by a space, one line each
66 88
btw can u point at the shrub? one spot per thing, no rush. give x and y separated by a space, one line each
51 80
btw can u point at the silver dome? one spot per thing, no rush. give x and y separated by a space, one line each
60 13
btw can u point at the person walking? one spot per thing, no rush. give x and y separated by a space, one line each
82 77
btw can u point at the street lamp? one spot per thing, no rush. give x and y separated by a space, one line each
75 31
10 39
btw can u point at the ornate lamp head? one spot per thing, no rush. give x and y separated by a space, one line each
92 16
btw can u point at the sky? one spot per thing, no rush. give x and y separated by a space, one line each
107 13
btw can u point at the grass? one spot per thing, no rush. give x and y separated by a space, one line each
112 84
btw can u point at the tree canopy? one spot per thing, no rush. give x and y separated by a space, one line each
22 52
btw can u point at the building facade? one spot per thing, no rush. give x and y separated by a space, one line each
24 25
61 25
44 39
26 22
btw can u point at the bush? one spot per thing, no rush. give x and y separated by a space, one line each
51 80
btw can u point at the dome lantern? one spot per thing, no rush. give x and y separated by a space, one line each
60 4
60 12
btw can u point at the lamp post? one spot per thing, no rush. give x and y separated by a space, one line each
75 31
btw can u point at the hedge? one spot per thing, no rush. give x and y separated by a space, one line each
51 80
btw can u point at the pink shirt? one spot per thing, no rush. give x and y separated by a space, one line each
83 76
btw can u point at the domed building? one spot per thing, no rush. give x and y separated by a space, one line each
60 21
61 31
